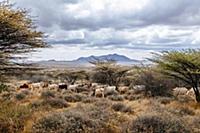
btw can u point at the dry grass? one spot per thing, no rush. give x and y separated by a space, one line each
80 112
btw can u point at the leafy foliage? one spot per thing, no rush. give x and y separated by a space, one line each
73 76
155 83
183 65
108 72
18 34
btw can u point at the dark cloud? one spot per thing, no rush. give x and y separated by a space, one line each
81 14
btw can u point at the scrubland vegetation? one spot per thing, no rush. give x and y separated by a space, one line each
149 102
107 98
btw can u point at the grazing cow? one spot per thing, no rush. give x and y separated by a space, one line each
24 86
99 92
73 87
94 84
37 88
110 90
139 87
62 86
123 89
180 91
53 86
45 85
84 88
36 85
190 93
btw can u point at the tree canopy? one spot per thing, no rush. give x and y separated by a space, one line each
18 34
108 72
183 65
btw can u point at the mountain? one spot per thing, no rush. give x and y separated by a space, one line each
115 57
85 61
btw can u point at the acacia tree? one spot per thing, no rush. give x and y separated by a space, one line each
18 34
72 76
183 65
108 72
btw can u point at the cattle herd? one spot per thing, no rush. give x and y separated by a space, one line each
93 89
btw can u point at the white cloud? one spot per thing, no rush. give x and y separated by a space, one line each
63 52
92 26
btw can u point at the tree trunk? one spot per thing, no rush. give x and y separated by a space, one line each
197 94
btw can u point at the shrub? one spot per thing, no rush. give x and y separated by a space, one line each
182 111
68 122
120 107
7 95
164 100
25 91
133 97
3 88
155 83
20 96
89 100
157 124
186 111
83 118
196 124
55 103
116 98
36 104
74 97
13 117
47 94
184 99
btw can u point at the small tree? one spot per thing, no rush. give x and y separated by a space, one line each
108 72
156 84
183 65
72 76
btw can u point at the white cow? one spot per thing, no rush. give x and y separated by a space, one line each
110 90
99 92
73 87
180 91
123 89
53 87
139 87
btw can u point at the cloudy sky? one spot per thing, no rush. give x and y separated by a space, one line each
134 28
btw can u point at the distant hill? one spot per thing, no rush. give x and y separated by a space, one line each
84 61
115 57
